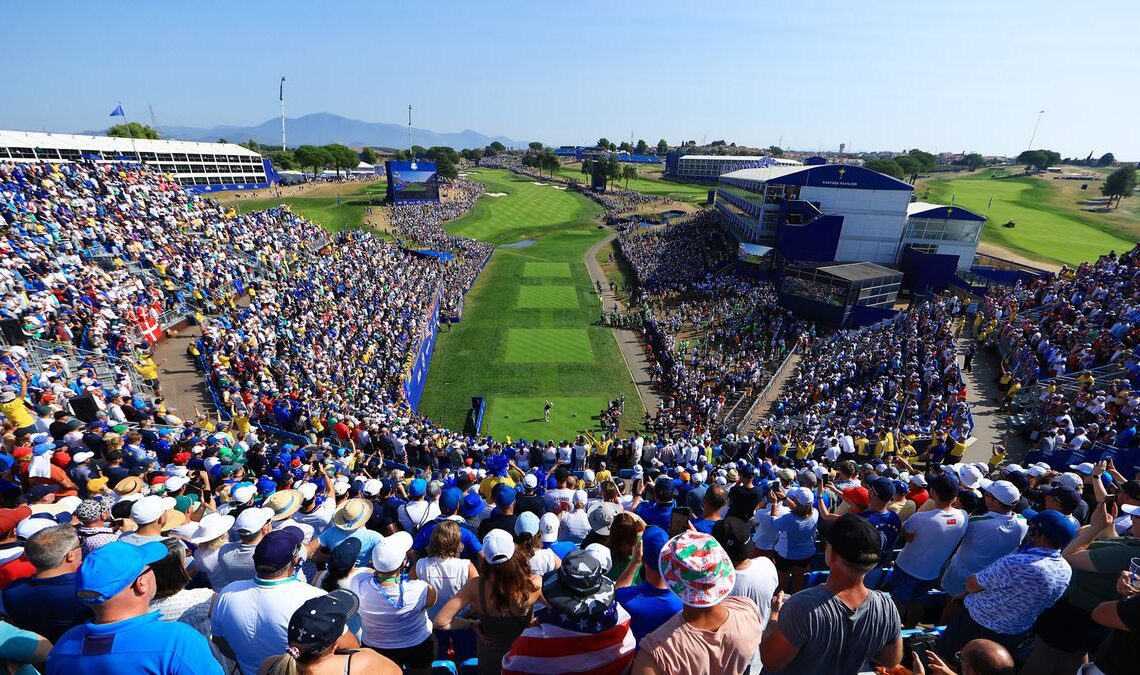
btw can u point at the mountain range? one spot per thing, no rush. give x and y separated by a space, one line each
324 128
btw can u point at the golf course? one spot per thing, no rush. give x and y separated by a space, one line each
528 330
649 181
335 214
1050 225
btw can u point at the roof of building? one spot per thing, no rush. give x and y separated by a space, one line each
943 211
742 158
36 139
860 271
821 175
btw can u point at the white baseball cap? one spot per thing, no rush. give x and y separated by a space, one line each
150 508
251 520
1084 467
29 526
498 546
548 526
530 481
580 497
243 494
308 490
602 554
918 479
588 475
340 488
969 476
371 488
1070 479
391 552
801 496
175 483
81 457
1004 491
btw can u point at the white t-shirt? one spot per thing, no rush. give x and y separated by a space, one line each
543 561
415 515
936 534
253 616
445 575
320 518
988 537
389 620
558 495
759 582
765 536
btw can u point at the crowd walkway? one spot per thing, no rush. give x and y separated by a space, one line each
629 342
982 393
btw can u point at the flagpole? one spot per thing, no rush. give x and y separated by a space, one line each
130 133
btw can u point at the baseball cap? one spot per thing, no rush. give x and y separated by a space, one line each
498 546
176 483
1084 467
858 496
1067 497
371 487
38 492
697 569
548 525
530 481
277 549
89 510
601 553
344 555
450 499
969 475
107 570
1004 492
320 621
943 485
801 496
855 540
10 518
1069 479
389 554
734 535
588 476
1056 526
527 523
150 508
663 489
601 517
29 526
503 494
652 541
918 480
251 520
417 487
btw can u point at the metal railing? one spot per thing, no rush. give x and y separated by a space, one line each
779 372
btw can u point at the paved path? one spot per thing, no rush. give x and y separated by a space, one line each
182 385
990 424
632 350
764 408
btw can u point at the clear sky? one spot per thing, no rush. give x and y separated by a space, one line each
942 76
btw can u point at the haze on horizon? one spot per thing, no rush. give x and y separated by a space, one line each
966 76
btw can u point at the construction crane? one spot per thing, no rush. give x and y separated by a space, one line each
153 120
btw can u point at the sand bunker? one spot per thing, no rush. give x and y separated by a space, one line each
536 183
520 244
495 194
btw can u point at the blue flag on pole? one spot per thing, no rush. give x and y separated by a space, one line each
118 111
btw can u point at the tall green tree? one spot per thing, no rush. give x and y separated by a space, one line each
1107 159
1120 183
497 146
369 155
1035 159
341 158
132 130
313 157
924 160
587 168
628 172
604 142
910 166
613 169
624 146
445 168
283 159
775 151
662 147
887 166
535 145
642 148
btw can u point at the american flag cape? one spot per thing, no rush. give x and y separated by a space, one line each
547 649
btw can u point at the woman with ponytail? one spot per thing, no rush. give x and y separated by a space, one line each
320 645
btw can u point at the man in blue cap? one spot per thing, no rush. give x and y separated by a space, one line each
449 501
117 582
417 511
503 516
660 511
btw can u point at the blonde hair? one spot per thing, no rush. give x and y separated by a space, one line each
446 541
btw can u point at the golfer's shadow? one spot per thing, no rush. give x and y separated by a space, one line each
532 420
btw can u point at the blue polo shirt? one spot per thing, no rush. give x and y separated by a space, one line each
656 513
45 606
648 607
471 544
141 644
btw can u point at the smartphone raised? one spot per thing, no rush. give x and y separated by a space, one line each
679 521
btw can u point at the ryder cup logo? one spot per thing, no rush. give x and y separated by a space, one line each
413 166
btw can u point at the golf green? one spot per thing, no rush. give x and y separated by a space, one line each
547 297
528 331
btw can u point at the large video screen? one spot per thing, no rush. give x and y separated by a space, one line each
412 182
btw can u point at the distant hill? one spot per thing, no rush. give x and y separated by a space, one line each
324 128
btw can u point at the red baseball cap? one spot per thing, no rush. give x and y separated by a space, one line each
857 496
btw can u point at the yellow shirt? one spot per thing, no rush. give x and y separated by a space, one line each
17 413
147 368
489 484
603 475
804 450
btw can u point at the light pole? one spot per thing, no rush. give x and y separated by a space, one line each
281 95
1035 126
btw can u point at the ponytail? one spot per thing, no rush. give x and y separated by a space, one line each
286 664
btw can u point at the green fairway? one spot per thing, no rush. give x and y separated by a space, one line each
348 214
548 297
1049 227
649 182
527 333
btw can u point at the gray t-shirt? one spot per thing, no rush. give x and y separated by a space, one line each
832 639
235 563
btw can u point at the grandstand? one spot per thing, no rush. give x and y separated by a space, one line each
709 167
200 167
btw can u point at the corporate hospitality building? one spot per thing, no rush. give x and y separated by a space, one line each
841 213
202 167
710 167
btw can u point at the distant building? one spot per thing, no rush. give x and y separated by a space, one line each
710 167
202 167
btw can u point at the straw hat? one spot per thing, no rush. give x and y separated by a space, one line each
353 514
130 485
284 503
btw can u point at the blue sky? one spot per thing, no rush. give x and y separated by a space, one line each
965 75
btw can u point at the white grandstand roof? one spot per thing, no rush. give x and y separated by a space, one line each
919 207
36 139
767 173
742 158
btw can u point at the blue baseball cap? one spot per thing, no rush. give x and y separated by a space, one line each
450 499
652 541
504 495
111 568
1056 526
417 488
473 505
